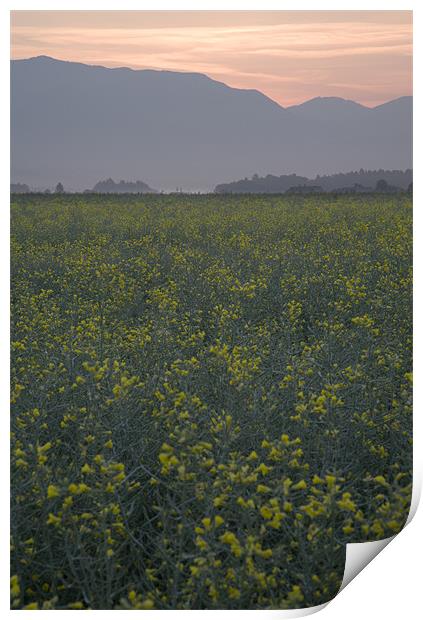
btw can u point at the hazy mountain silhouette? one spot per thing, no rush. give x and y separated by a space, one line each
78 123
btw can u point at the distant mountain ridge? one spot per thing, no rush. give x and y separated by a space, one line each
77 122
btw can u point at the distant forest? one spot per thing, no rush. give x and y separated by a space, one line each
102 187
19 188
362 181
355 182
123 187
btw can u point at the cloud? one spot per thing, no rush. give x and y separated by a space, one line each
288 55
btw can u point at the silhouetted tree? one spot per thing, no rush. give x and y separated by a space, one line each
59 188
381 185
19 188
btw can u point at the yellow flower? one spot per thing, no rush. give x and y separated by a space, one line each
201 543
266 513
263 469
67 502
295 595
76 605
52 491
53 520
229 538
348 529
77 489
346 503
299 486
330 481
262 488
15 589
234 592
206 522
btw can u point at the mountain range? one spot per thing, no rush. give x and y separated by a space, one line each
76 123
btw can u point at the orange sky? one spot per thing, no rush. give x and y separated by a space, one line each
290 56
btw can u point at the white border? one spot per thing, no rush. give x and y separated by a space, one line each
390 586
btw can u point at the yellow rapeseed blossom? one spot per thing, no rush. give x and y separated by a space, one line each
52 491
215 386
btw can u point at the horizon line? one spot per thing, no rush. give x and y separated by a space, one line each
316 177
182 71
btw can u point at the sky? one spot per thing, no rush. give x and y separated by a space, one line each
291 56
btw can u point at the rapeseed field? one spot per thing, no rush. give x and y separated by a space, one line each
211 396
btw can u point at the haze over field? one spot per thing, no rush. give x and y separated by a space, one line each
78 123
193 99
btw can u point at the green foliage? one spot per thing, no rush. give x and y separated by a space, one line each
211 396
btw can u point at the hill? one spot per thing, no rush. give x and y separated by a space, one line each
76 122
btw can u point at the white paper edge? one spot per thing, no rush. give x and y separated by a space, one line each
358 555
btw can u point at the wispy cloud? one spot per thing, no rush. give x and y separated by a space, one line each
290 56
